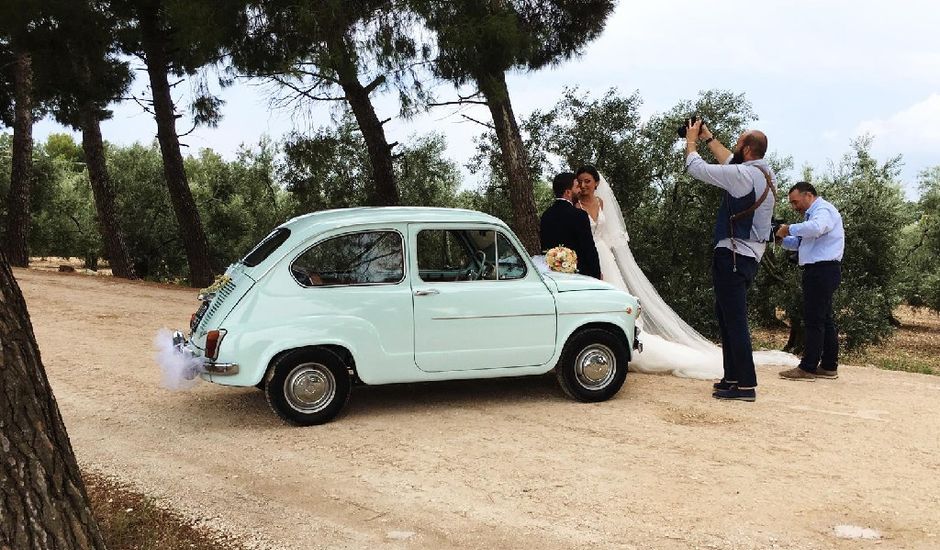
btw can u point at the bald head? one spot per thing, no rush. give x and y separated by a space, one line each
757 141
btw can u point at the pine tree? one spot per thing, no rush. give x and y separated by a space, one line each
43 502
478 41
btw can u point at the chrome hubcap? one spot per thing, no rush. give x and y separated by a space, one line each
595 366
310 387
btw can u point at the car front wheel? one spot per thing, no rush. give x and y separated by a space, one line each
307 387
593 365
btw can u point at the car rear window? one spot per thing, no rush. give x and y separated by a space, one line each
268 245
365 258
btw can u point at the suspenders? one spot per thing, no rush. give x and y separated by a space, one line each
735 217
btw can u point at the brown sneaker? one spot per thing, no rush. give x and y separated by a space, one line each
798 374
828 374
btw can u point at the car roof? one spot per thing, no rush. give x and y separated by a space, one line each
386 214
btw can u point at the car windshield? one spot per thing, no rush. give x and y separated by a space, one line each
268 245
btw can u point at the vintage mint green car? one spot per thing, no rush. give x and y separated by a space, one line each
391 295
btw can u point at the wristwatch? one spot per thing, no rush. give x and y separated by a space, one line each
709 140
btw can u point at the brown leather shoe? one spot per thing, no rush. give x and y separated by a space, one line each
798 374
827 374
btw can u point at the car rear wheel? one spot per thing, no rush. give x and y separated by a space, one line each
593 365
307 387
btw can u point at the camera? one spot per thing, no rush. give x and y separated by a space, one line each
775 224
685 126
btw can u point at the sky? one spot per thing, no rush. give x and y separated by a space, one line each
817 73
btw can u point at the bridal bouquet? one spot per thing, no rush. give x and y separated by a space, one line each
562 259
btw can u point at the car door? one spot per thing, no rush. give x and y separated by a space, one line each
477 302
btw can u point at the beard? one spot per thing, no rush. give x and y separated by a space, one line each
737 157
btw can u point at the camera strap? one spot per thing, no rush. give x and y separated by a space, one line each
747 212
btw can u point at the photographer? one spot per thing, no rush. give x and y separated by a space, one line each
740 236
820 242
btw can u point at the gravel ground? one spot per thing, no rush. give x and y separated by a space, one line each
496 463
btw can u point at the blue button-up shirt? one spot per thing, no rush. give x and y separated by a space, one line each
821 237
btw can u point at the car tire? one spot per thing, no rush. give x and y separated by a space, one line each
308 386
593 365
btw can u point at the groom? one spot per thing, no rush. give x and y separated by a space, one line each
564 225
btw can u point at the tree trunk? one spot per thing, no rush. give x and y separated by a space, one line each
16 238
43 503
108 225
515 159
357 95
154 42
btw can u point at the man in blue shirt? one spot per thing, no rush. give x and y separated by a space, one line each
820 242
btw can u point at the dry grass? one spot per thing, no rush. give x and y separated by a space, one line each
131 521
56 263
915 347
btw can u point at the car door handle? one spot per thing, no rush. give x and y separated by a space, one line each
427 292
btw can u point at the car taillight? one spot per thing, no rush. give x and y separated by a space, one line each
213 341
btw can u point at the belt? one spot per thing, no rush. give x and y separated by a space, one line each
821 264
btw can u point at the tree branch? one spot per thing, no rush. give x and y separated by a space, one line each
140 103
186 133
457 102
78 226
305 92
379 80
462 100
484 124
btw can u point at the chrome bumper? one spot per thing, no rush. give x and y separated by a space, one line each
208 365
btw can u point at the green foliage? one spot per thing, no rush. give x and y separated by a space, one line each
145 212
312 49
330 169
63 219
920 266
478 38
426 177
239 201
491 195
873 211
871 202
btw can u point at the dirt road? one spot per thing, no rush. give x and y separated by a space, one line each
492 464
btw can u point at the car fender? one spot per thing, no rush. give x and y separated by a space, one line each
257 346
608 307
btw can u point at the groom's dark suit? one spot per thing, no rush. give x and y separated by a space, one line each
564 225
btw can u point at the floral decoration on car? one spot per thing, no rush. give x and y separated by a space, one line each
562 259
217 285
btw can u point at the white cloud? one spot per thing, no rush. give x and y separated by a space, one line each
914 129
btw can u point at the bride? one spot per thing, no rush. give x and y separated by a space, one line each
670 345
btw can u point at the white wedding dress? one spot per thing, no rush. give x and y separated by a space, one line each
670 345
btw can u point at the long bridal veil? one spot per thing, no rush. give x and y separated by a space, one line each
670 344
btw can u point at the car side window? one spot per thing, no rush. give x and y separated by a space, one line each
510 264
370 257
450 255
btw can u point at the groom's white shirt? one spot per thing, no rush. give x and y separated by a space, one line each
737 181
